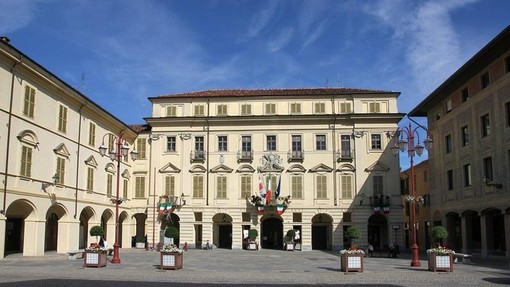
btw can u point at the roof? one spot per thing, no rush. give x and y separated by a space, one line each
488 54
272 92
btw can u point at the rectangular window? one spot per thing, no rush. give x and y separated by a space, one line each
487 169
125 189
62 119
169 185
90 178
198 186
109 184
345 108
111 142
345 146
245 109
297 186
320 108
464 94
448 143
26 161
449 179
29 102
448 105
61 170
222 143
246 143
295 108
320 142
140 187
270 109
222 110
296 143
199 144
221 186
92 134
321 187
171 144
377 185
485 80
467 175
271 143
464 132
374 107
141 148
171 111
376 141
486 125
246 185
346 182
199 110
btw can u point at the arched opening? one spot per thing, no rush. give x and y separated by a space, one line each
222 230
85 216
495 231
321 231
473 242
15 233
454 228
272 233
51 232
377 230
140 226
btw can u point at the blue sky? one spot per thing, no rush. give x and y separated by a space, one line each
120 52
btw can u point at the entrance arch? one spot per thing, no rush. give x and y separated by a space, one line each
378 230
15 228
272 233
321 231
222 230
85 216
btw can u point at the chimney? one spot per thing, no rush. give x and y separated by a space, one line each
5 39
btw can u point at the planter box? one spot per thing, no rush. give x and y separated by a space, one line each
140 245
253 246
351 262
94 259
289 246
171 260
440 262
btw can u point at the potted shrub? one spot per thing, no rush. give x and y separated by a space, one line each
440 258
289 240
171 257
95 255
352 259
140 241
253 234
173 234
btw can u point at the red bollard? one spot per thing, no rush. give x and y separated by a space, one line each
185 246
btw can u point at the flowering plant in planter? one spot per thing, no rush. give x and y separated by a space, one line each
95 248
352 250
171 248
440 251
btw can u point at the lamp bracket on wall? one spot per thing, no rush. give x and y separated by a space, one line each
45 185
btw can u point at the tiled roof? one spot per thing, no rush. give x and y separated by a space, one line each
140 128
273 92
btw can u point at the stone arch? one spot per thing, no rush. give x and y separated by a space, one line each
56 226
21 225
222 230
377 231
87 219
271 231
322 226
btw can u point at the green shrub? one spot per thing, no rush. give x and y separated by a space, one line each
439 233
253 234
172 232
96 231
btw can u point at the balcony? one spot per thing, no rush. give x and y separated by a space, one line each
295 155
344 155
197 156
245 156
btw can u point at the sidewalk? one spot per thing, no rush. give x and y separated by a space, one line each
220 266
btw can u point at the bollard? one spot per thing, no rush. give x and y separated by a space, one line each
185 246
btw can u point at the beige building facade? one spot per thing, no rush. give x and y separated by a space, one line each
55 185
469 119
328 149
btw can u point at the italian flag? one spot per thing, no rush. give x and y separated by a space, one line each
279 209
260 209
162 208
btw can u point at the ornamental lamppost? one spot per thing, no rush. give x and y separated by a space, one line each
122 149
412 149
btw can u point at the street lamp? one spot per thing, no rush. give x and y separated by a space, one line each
412 149
122 149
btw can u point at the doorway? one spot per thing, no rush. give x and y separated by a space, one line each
272 233
225 236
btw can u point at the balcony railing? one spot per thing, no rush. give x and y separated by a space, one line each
197 156
296 155
344 155
244 155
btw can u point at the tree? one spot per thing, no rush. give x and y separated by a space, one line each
96 231
438 234
253 234
172 232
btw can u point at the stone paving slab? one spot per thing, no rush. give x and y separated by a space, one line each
251 268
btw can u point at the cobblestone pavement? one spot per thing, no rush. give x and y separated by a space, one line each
220 267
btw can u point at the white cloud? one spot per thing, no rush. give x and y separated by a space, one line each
281 40
262 19
16 14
